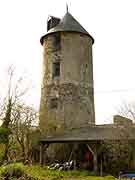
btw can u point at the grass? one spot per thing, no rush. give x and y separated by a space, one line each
42 173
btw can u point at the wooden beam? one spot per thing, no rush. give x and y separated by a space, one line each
95 161
41 155
75 147
44 153
90 149
93 150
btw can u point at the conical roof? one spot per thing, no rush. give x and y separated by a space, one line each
68 24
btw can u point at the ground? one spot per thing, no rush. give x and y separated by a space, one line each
21 172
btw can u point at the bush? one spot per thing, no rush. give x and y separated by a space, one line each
109 177
12 170
4 133
1 153
19 171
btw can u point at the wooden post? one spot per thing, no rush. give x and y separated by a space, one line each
44 153
101 167
75 146
93 150
74 164
41 154
95 160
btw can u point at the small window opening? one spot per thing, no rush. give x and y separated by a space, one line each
81 35
56 69
54 103
56 41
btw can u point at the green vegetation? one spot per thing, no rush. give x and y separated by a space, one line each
4 132
17 170
12 170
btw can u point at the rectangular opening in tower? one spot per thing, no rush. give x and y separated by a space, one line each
54 103
56 69
56 41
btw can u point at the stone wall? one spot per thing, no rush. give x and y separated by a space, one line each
122 121
73 88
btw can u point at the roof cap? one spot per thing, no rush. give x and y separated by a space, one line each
67 24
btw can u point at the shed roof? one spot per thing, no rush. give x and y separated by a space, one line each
68 24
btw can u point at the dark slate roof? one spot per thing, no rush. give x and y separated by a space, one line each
68 24
93 134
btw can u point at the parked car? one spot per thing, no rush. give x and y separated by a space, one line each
127 175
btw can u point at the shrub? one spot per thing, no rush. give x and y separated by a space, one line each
109 177
2 148
23 172
4 133
12 170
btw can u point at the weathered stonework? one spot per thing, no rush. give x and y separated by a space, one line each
73 88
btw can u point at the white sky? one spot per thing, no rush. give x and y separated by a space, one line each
110 22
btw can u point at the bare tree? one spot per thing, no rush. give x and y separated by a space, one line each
23 125
13 97
127 110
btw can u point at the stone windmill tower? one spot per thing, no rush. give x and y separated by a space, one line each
67 94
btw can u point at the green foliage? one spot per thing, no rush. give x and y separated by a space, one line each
109 178
1 156
17 170
35 135
4 133
118 155
2 152
12 170
42 172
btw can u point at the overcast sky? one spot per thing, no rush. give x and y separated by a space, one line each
110 22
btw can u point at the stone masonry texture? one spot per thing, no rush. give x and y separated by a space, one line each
73 89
